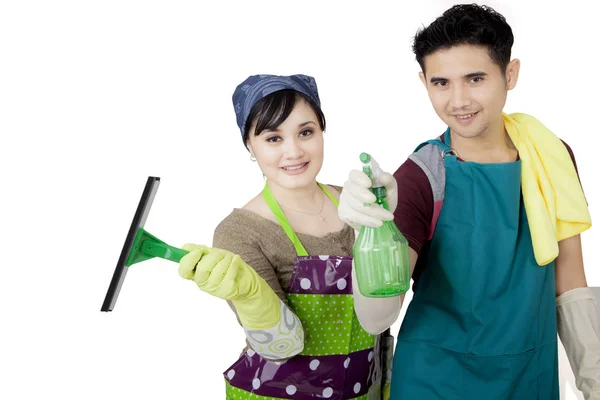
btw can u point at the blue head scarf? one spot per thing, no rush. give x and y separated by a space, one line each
255 87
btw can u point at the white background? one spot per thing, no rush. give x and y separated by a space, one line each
97 96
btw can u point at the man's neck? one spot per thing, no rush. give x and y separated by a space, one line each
492 146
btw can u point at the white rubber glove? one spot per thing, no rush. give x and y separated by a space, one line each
352 209
375 315
579 331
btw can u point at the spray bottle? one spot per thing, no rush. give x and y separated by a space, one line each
381 255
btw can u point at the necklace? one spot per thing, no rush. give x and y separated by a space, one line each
307 213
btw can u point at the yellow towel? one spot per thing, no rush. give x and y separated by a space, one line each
554 201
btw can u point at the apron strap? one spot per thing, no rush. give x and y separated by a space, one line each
331 197
444 146
282 219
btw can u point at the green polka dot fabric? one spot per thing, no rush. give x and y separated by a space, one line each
330 324
339 360
233 393
361 339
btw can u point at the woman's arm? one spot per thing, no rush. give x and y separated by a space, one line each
378 314
241 241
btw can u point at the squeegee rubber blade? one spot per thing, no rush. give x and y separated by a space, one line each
141 214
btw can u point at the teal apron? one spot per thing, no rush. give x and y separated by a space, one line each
482 322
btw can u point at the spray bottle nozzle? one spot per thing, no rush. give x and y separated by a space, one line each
371 168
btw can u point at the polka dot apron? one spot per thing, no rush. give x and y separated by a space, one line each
340 360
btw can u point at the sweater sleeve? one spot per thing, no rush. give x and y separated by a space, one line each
239 238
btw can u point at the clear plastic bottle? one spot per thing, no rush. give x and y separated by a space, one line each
381 255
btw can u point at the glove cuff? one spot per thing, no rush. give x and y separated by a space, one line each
579 331
283 340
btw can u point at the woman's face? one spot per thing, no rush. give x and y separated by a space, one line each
290 156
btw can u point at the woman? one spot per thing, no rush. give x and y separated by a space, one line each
284 259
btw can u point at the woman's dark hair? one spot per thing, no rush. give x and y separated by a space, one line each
270 111
466 24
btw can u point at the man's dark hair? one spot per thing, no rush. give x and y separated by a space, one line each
466 24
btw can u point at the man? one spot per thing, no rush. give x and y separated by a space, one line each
492 211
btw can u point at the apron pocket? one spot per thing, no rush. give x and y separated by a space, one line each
501 377
428 372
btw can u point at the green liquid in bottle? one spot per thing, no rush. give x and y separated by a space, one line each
381 255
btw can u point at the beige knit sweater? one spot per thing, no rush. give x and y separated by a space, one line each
263 245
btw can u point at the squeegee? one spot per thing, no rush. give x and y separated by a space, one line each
139 245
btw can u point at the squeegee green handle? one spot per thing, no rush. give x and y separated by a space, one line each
146 246
162 250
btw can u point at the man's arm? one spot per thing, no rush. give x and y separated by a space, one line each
569 266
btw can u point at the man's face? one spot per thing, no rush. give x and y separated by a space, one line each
467 89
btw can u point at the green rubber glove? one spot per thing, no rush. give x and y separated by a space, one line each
225 275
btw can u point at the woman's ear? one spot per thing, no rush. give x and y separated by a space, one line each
252 157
